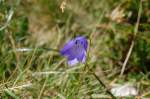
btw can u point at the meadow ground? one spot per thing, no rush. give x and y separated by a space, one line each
118 32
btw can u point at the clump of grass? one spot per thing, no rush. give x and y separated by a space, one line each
42 24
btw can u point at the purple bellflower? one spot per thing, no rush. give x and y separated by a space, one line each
75 50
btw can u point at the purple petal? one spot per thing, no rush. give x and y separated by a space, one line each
67 47
84 59
83 41
75 50
73 62
81 57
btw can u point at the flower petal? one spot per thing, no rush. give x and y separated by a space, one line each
73 62
82 57
67 47
75 50
83 41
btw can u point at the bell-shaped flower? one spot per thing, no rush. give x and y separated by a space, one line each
75 50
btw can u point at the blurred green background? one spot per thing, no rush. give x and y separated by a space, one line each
111 28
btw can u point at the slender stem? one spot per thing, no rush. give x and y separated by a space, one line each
113 97
99 80
133 41
101 83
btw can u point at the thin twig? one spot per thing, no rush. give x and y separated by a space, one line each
133 41
127 58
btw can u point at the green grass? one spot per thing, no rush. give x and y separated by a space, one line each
45 74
